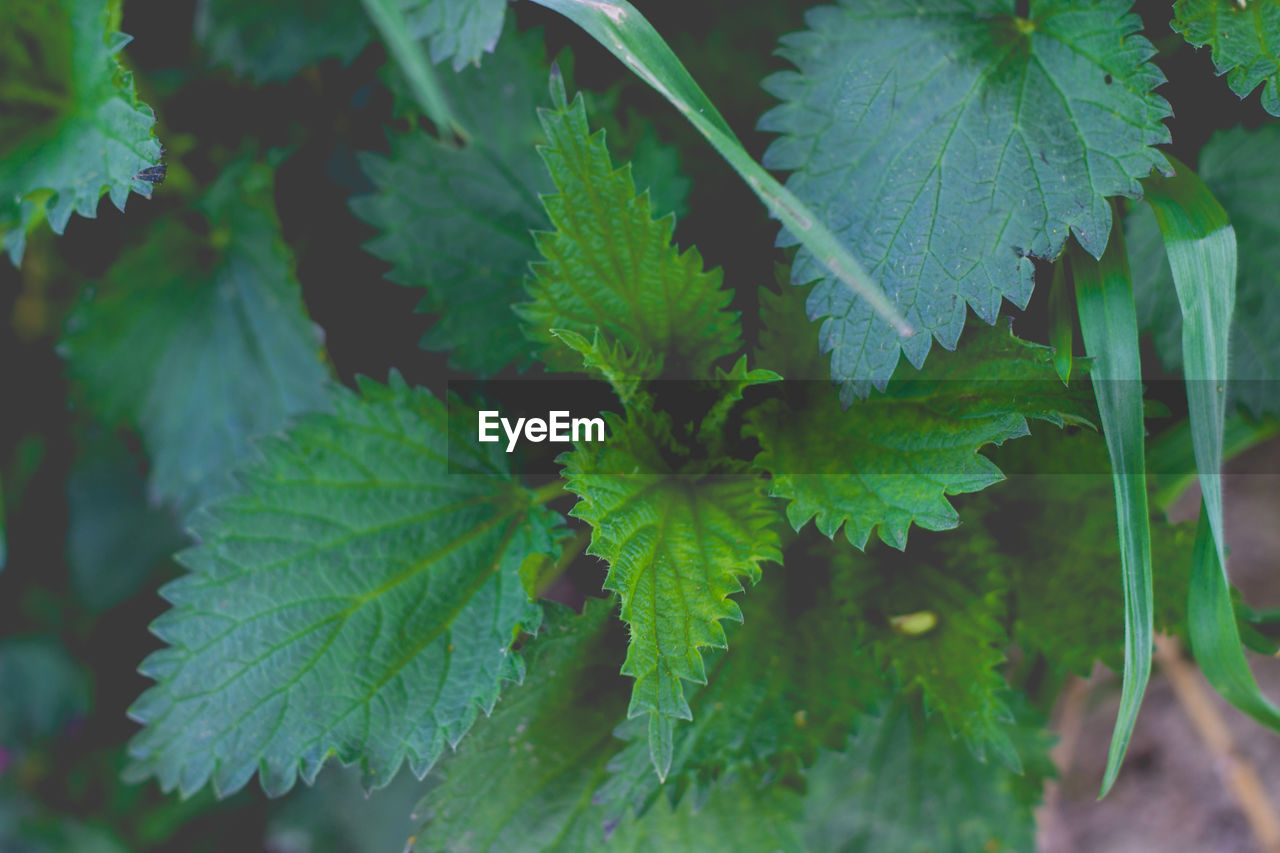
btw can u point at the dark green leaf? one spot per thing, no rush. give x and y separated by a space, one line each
457 221
1244 38
356 600
71 125
201 341
522 780
950 142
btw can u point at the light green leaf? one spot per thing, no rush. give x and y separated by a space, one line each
523 779
1240 169
1109 327
950 142
356 600
393 26
678 545
71 125
1244 38
456 221
795 673
905 786
201 340
624 32
890 461
609 265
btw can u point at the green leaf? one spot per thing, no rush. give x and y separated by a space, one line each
890 461
115 537
522 780
951 142
456 221
794 674
621 29
201 340
71 125
393 26
678 545
902 785
935 617
458 30
736 817
1109 327
269 42
1239 168
609 265
1244 39
356 600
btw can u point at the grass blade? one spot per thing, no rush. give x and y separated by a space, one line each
1201 245
389 19
1109 327
1171 459
1215 636
620 28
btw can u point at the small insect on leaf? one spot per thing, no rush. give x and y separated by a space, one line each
153 174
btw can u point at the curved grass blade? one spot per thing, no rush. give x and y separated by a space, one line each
1109 327
1061 321
389 19
620 28
1171 457
1201 245
1215 637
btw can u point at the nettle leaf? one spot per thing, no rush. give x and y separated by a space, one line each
947 143
905 785
735 817
935 617
273 41
609 265
522 780
457 221
201 340
356 600
71 125
1240 168
458 30
791 681
890 461
678 545
1244 39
